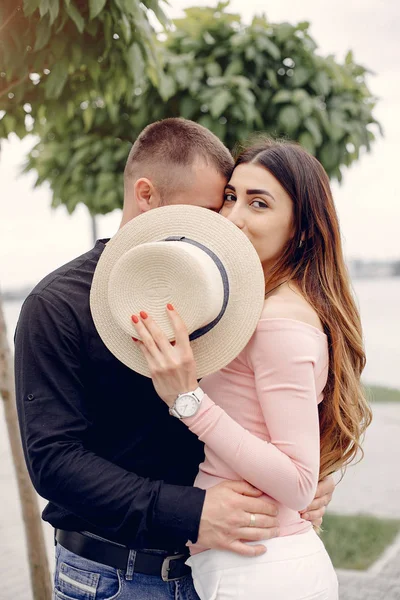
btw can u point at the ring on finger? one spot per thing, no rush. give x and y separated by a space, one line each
252 520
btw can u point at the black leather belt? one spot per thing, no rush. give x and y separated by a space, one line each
168 567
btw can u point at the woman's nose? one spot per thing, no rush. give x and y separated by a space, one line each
236 217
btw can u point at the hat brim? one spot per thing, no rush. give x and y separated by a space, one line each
219 346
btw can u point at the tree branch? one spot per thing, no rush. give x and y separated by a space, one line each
9 18
14 84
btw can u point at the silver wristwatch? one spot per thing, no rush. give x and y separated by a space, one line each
187 404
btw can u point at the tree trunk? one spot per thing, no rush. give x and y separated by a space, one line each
38 563
93 223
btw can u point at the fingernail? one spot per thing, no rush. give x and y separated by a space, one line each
135 319
170 307
134 339
172 343
143 314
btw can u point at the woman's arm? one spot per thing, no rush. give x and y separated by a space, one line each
282 355
283 360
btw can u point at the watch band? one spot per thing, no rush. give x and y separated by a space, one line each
197 394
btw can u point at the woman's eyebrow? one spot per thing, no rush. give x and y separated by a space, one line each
258 191
251 192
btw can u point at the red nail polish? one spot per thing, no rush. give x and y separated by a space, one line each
135 319
170 307
143 314
172 343
134 339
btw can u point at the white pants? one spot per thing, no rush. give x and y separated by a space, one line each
295 567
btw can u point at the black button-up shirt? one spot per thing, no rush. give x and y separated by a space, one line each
99 443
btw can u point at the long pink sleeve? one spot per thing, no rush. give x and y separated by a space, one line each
286 358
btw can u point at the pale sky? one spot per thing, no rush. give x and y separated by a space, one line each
35 239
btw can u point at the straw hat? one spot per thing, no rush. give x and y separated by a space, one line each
192 258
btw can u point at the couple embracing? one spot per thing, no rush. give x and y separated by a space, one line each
186 389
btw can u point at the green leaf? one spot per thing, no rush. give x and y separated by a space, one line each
313 128
329 155
136 63
166 87
43 31
76 16
349 58
93 27
88 117
307 141
54 9
56 80
183 76
321 83
126 29
43 7
289 119
235 67
30 6
338 125
188 107
284 32
300 77
206 121
213 69
95 7
219 103
250 53
272 78
282 96
154 5
264 43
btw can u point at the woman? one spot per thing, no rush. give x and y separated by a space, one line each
290 408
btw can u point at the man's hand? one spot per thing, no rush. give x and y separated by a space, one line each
323 496
226 522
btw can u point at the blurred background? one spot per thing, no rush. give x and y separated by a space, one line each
76 87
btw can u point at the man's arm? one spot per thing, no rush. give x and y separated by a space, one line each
55 426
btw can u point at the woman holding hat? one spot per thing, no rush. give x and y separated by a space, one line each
278 337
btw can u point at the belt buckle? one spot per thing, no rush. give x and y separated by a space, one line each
165 567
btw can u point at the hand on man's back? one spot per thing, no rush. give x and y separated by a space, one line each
226 519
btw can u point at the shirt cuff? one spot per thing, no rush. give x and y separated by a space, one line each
177 514
205 406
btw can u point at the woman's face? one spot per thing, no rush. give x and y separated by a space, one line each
256 203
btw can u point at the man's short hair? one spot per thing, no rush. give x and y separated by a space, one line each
166 150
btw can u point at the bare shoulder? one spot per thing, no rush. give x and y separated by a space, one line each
288 303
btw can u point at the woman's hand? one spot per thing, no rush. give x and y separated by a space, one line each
172 365
317 508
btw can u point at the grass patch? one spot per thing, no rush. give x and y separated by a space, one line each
377 393
356 542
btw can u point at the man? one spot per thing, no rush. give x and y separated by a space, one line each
99 443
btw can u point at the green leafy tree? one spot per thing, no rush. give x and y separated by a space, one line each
233 78
54 56
57 54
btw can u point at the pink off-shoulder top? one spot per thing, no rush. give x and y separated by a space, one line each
259 418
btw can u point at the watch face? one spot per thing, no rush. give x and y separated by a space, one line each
186 406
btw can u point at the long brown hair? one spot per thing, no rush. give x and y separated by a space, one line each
313 258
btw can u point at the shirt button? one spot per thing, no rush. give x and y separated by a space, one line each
30 396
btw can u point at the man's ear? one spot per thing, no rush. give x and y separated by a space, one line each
146 195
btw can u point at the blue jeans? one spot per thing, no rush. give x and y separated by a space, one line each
77 578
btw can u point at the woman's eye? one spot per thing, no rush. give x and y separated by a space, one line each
259 204
229 198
